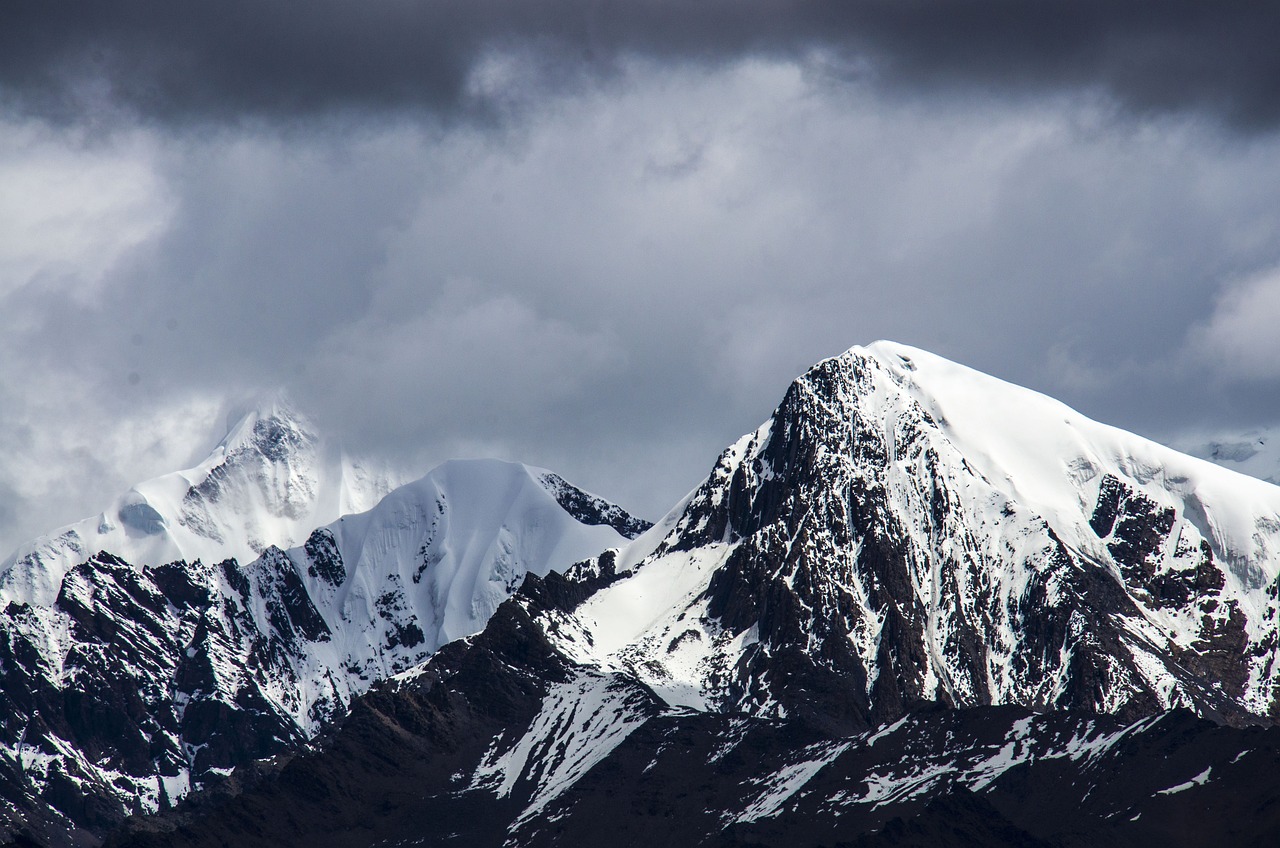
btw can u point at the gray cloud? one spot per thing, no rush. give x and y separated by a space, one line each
1241 336
625 279
276 60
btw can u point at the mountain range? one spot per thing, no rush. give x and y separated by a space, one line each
131 677
917 605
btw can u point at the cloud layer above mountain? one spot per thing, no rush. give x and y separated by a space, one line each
276 59
602 237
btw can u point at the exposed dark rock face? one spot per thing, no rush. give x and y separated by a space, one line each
1138 532
410 746
592 510
290 610
138 684
326 559
168 680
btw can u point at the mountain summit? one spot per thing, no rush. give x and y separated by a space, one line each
906 530
270 480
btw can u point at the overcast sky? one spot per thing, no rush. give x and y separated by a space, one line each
602 237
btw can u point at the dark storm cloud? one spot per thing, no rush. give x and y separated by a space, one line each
178 62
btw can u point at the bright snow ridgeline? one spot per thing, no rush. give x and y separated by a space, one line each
903 533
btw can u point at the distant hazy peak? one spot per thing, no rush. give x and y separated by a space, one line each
269 480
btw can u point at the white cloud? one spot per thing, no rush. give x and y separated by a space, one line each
66 456
73 207
1242 336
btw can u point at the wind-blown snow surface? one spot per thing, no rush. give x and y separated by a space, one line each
913 530
135 682
270 481
433 560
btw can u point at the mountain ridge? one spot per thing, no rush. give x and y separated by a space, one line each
137 684
464 732
830 516
904 549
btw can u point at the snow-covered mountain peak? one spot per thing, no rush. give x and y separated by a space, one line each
242 420
269 481
924 532
441 553
1053 459
275 445
901 534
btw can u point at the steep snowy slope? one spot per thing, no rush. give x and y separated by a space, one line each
136 683
433 560
270 481
905 529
